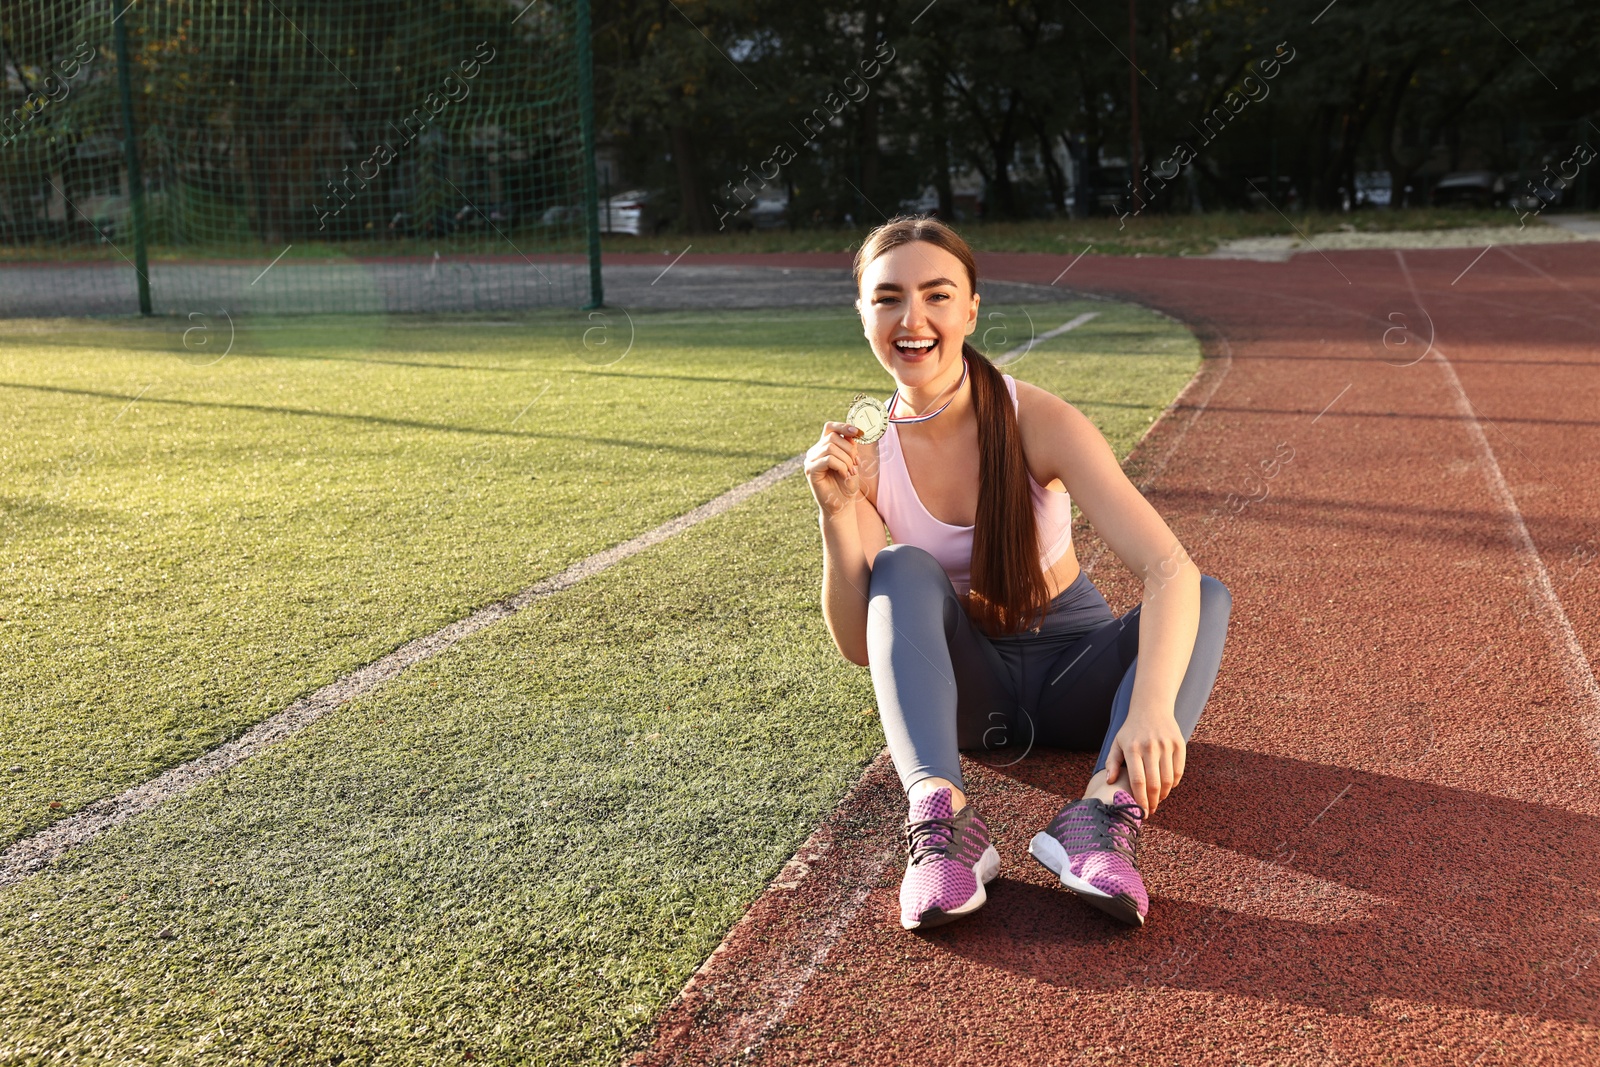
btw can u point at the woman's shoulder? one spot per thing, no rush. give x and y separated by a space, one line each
1031 399
1054 433
1039 410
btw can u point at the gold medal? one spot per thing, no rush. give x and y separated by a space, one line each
868 415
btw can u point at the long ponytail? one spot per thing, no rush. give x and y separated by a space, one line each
1009 592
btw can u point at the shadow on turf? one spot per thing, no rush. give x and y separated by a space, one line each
165 347
1482 902
380 420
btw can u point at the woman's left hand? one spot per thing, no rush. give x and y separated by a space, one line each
1150 748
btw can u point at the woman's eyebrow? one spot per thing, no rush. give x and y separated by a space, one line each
897 287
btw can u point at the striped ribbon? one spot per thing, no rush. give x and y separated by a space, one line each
910 419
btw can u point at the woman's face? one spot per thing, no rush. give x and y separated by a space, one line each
917 308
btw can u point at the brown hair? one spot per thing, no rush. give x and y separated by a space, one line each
1008 588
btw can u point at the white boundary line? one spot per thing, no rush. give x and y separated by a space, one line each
1574 661
34 852
1580 674
750 1030
1007 358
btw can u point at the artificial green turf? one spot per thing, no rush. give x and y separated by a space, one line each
522 848
186 548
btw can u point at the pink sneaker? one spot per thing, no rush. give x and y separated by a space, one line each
951 859
1091 845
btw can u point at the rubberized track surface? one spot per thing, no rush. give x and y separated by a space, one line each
1386 847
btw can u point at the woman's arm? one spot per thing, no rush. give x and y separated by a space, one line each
1061 442
851 539
852 535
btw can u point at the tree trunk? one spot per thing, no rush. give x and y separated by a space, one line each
1052 169
941 152
869 148
691 194
1004 146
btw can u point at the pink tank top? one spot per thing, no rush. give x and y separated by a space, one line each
910 524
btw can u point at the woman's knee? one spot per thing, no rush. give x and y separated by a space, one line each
897 566
1216 603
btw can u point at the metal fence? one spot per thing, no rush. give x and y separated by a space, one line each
295 156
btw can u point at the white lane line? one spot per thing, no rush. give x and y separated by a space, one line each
1569 650
789 960
1023 349
1547 276
1202 396
32 853
1575 663
754 1030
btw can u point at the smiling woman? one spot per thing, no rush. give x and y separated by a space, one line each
978 625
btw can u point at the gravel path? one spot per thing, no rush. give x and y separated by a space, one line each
1561 229
36 290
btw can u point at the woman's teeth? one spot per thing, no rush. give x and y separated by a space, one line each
914 346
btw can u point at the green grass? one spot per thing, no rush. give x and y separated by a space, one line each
188 548
518 850
1165 235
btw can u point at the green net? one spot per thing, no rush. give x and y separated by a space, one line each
296 156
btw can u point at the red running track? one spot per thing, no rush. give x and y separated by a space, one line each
1386 847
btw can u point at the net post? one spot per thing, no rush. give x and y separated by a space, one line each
591 198
130 132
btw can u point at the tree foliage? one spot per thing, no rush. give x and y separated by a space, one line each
694 95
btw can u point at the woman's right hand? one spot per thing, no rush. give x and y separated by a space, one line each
833 467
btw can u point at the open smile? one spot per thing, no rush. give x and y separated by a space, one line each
915 347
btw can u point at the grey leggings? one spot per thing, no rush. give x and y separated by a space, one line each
943 685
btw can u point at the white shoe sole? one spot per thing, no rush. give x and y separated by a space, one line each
987 870
1048 851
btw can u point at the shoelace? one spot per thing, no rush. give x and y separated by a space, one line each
928 838
1123 825
1115 833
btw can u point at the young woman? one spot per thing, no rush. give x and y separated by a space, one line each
979 627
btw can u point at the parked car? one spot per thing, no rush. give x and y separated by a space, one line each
1374 188
1263 194
406 224
1472 188
562 215
633 213
1537 192
471 215
1111 191
104 215
769 212
927 203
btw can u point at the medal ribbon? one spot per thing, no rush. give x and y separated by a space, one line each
911 419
